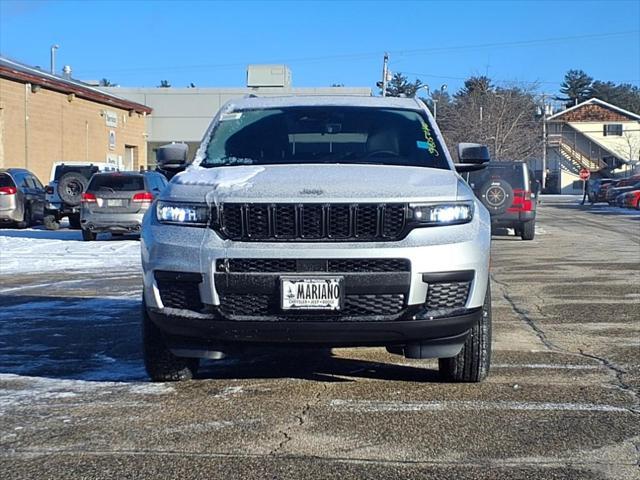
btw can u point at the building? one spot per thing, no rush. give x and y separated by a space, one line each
183 114
595 135
46 118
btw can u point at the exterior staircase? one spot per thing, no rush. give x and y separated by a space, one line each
572 145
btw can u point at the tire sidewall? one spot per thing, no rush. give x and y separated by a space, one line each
72 182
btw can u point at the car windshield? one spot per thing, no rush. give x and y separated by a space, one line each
351 135
512 173
6 181
116 183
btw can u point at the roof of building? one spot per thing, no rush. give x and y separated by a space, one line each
596 101
23 73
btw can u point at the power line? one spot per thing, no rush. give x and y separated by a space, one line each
406 52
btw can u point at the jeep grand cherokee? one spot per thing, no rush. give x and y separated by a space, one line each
319 221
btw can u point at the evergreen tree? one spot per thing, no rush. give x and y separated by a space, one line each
399 85
622 95
106 83
576 87
476 86
164 84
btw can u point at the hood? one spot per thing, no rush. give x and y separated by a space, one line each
313 183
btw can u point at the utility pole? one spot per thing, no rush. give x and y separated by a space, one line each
544 142
53 58
385 73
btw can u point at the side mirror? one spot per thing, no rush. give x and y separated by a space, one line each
172 157
472 156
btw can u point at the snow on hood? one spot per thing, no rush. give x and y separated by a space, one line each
313 183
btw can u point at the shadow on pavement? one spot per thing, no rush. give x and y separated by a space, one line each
98 339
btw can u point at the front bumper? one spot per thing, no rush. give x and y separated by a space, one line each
429 252
211 331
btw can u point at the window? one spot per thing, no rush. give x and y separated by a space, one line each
612 129
345 135
117 183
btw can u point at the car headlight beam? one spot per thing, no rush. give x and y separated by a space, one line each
441 214
189 214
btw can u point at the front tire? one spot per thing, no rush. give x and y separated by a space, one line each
160 363
528 230
473 362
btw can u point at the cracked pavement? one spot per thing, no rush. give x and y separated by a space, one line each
561 401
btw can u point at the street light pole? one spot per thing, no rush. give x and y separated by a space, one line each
385 73
53 58
544 143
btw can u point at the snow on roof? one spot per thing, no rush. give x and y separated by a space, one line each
325 100
596 101
21 72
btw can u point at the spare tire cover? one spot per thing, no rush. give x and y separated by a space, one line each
496 195
71 185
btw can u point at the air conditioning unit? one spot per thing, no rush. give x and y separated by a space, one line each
268 76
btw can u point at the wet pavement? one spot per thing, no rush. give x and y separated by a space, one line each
561 401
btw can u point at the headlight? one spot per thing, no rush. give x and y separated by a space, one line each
442 214
191 214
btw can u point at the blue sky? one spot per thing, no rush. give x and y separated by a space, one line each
139 43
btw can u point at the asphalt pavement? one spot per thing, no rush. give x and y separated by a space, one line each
561 401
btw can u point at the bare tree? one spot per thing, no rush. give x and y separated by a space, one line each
504 119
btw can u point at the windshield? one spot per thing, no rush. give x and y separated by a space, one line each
324 135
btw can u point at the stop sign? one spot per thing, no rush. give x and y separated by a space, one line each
584 174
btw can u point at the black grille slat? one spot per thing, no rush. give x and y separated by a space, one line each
393 220
231 221
258 221
181 295
367 221
336 265
311 221
447 295
284 221
340 221
250 305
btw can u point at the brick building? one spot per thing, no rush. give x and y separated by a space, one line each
45 118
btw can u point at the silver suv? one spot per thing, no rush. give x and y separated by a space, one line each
116 202
324 221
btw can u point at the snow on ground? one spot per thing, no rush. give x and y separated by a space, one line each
37 250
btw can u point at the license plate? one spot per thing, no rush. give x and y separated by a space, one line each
311 293
115 203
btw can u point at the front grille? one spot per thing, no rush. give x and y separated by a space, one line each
182 295
447 295
336 265
311 222
252 305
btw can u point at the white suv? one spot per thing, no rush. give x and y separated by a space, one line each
319 221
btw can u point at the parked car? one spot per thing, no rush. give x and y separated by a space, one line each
64 192
623 186
115 202
630 199
509 191
21 198
324 221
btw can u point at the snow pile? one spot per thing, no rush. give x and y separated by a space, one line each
35 250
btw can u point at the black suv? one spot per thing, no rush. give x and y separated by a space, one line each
509 191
